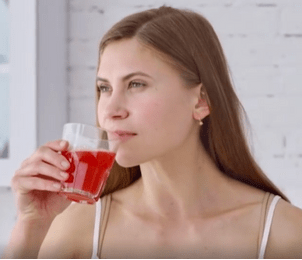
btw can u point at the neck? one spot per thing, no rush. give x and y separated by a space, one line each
182 183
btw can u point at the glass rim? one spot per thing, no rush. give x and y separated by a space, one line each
84 124
94 127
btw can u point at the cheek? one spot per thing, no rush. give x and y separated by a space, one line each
153 113
162 124
100 112
164 114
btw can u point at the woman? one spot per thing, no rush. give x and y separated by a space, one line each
184 184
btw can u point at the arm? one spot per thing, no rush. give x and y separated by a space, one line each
36 184
26 239
285 240
71 234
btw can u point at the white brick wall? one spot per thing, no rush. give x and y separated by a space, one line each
262 40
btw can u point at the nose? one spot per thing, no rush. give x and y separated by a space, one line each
112 108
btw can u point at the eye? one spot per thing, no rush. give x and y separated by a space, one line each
136 84
103 88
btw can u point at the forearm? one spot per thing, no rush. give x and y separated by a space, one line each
26 239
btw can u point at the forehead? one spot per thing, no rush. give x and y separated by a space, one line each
128 55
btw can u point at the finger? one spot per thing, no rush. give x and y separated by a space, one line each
50 156
44 169
25 162
58 145
27 184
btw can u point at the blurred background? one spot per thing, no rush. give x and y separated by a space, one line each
48 60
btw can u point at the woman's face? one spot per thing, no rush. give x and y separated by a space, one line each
142 94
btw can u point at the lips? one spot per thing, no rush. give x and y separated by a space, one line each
119 132
123 135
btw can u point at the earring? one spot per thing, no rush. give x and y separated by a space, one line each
200 122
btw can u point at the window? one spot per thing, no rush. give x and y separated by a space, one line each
4 79
33 94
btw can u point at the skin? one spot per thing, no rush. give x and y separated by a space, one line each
183 206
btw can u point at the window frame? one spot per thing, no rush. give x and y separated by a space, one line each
35 117
22 116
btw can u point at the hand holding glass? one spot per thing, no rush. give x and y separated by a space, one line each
91 157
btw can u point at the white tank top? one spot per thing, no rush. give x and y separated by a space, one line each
266 230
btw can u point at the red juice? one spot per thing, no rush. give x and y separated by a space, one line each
88 174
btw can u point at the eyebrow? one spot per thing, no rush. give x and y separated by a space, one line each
137 73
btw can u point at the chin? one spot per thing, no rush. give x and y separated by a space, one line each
126 162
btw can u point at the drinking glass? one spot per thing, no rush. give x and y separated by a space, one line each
91 157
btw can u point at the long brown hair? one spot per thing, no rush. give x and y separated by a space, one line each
189 43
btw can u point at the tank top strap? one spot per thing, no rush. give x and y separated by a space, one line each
101 219
98 210
262 218
267 213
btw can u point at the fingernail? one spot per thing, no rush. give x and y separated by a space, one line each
57 185
62 144
65 164
64 175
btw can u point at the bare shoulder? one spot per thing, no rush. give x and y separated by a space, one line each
285 238
71 233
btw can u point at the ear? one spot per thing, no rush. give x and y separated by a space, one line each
201 107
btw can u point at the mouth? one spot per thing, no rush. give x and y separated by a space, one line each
123 135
